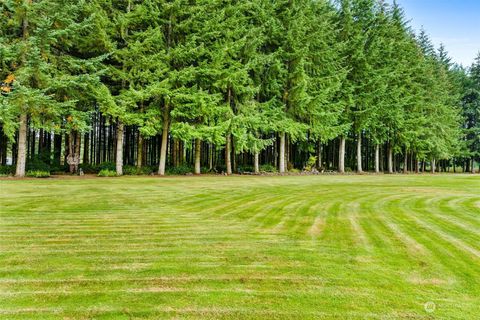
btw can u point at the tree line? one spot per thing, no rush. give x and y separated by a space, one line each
230 86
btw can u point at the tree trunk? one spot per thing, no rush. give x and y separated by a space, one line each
359 153
73 156
163 149
22 130
287 153
78 142
198 144
432 166
473 165
405 162
140 151
57 149
176 152
21 147
86 148
377 158
119 156
228 154
281 156
211 154
256 165
32 140
390 159
319 156
417 166
341 155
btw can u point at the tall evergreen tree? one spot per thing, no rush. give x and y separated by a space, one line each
48 75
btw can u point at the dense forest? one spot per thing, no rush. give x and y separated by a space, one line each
229 86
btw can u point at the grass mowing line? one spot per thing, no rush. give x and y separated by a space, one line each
451 224
445 252
439 226
451 239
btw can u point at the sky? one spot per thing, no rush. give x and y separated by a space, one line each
455 23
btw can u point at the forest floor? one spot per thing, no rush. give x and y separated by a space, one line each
296 247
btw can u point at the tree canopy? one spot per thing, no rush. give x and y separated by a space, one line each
229 84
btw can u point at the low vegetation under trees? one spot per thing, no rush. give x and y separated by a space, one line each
229 86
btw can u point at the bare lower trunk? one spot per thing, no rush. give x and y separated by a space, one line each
86 147
210 156
473 165
341 155
319 156
377 158
163 148
73 147
233 156
140 151
432 166
228 154
405 162
256 163
281 156
197 155
119 153
21 149
359 154
390 159
417 166
78 142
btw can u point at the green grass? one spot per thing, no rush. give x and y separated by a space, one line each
333 247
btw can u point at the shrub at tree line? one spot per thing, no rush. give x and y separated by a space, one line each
229 86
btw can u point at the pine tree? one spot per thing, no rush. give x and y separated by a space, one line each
48 75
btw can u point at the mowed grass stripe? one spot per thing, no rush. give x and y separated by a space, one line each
240 247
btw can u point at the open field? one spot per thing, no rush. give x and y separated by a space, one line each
346 247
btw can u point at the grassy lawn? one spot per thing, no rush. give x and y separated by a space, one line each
345 247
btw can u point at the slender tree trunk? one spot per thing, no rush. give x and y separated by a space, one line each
233 156
359 153
22 130
432 166
78 142
86 148
390 159
176 152
33 137
198 145
319 156
163 149
473 165
211 155
287 153
377 158
405 162
119 157
256 161
341 155
71 153
417 166
228 154
275 152
412 159
21 149
140 151
281 157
